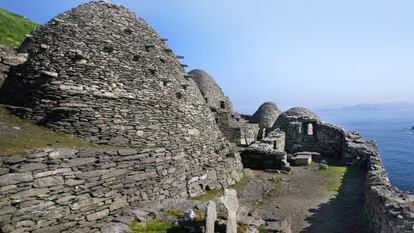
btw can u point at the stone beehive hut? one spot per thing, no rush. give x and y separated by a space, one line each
266 115
296 114
210 90
100 72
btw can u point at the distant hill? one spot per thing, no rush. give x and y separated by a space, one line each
13 28
374 107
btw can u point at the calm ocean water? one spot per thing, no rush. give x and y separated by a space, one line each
390 129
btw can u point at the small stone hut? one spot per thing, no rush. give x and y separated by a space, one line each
233 126
266 116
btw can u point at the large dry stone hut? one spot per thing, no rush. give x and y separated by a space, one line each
101 73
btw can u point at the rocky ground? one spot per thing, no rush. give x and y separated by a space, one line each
305 199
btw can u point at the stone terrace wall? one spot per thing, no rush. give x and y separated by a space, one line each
388 209
69 190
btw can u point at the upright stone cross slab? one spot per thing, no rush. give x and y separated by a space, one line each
211 216
231 203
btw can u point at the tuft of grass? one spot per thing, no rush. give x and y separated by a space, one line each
208 195
159 226
242 228
13 28
263 230
241 183
18 135
213 193
179 213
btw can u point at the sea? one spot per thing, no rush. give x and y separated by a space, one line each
390 128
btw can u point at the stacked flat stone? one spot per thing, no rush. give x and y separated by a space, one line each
295 114
8 58
266 115
211 91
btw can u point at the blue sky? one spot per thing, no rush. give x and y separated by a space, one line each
295 53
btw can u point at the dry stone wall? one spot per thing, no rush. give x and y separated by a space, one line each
388 210
77 190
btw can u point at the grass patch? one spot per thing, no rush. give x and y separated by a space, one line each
208 195
263 230
157 226
18 135
13 28
179 213
335 173
211 194
335 176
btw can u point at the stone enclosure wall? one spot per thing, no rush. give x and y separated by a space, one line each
74 190
388 210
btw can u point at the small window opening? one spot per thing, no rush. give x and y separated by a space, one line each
222 105
309 130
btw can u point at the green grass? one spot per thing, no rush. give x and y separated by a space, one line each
157 226
263 230
336 172
335 175
179 213
13 28
211 194
18 135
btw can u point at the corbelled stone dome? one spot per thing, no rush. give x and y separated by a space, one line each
266 115
295 114
100 72
210 90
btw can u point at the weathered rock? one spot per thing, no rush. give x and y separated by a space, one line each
118 203
15 178
211 216
48 181
231 203
98 215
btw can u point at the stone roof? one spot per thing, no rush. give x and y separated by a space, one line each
295 114
210 90
100 72
266 115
